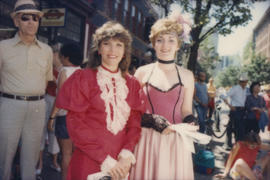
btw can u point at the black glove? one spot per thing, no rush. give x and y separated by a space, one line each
157 122
106 178
190 118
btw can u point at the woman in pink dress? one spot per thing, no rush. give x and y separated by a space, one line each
104 108
161 153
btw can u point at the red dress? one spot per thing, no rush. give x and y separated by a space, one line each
87 119
247 154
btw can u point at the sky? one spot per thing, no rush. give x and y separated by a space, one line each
234 43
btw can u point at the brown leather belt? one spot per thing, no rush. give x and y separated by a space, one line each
23 98
238 108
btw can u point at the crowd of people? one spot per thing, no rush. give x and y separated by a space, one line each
104 121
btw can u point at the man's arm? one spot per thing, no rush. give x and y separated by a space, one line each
224 98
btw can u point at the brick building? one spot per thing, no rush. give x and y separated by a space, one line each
261 36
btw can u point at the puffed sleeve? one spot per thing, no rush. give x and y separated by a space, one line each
74 96
74 93
133 131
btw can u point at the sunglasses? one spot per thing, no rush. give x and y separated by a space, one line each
27 17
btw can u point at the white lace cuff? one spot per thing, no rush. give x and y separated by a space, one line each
127 154
107 164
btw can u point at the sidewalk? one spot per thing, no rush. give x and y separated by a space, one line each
218 148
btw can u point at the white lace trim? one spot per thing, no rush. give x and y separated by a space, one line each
108 164
117 100
127 154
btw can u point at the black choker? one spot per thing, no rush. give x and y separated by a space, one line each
166 62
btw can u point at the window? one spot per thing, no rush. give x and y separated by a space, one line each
139 17
125 19
133 11
116 5
72 29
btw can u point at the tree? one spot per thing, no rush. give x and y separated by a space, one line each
208 57
229 77
259 69
211 16
248 52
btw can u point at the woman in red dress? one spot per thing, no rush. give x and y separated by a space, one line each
104 108
243 163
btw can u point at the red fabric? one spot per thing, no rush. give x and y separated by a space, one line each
86 122
247 154
257 114
211 103
51 87
267 105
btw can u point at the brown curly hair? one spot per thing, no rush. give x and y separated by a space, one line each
111 29
163 26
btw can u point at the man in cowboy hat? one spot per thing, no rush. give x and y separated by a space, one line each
237 95
25 69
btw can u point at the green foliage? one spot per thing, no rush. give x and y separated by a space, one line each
229 77
258 69
248 52
208 57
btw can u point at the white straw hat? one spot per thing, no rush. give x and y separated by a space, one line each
26 6
243 77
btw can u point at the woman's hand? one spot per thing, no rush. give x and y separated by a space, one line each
121 169
221 176
50 125
167 131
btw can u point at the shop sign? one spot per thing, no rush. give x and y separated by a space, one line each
53 17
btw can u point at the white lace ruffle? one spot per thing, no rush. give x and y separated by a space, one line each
116 98
127 154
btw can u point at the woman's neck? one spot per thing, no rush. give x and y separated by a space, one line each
166 67
255 95
110 69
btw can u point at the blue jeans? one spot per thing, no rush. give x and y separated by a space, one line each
202 113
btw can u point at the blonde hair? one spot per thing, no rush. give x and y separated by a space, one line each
163 26
111 29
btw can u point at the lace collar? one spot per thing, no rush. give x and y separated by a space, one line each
114 94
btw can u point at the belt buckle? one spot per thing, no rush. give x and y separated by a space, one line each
24 98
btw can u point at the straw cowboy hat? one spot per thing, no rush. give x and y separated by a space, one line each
243 77
26 6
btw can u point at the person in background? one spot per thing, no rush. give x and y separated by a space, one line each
266 97
71 58
236 124
201 98
255 106
53 146
161 152
211 89
242 162
25 69
104 107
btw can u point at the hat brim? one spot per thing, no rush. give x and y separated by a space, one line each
40 13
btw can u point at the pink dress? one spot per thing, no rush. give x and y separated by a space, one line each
162 157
